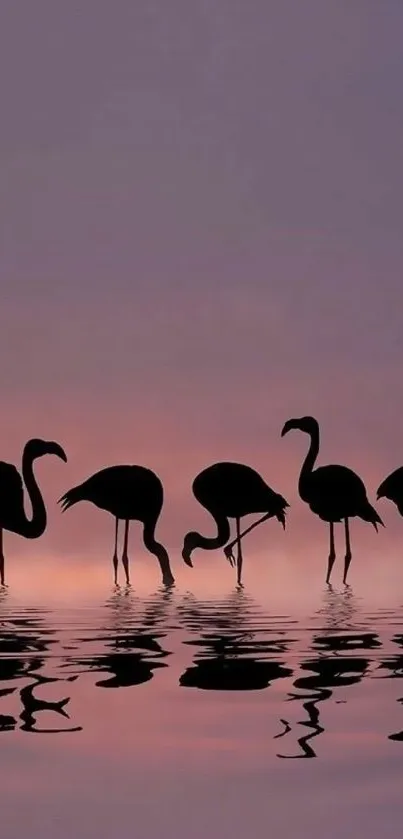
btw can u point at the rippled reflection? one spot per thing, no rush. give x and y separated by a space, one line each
224 645
327 674
128 646
232 652
394 665
22 638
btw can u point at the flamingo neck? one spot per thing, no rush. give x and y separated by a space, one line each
35 526
211 543
308 464
159 551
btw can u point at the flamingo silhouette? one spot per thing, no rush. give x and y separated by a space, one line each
231 490
127 493
333 492
392 488
12 512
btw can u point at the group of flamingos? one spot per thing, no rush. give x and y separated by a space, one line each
227 490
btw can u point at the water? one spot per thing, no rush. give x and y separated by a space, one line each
222 713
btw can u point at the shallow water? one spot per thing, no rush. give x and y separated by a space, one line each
171 713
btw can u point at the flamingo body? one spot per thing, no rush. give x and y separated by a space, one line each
12 513
235 490
230 491
128 493
11 497
334 493
392 488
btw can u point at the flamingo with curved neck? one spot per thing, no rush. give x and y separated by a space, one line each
230 491
128 493
335 493
12 512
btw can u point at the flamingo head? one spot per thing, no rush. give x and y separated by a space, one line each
281 517
191 541
37 448
307 424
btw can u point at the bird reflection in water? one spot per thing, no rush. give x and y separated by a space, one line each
394 665
21 639
32 705
130 641
331 669
340 608
230 657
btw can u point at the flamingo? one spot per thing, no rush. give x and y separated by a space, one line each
230 491
127 493
333 492
392 488
12 513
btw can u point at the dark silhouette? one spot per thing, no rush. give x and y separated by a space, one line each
19 662
394 664
32 705
231 491
392 488
126 669
334 492
230 657
228 670
12 513
328 673
127 493
132 651
343 643
330 669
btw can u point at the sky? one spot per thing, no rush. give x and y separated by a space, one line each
200 237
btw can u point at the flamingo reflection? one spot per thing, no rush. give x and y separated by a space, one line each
131 641
231 655
394 665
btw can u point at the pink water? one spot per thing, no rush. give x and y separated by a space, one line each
201 710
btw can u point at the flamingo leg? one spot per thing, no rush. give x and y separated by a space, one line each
1 558
332 553
239 560
347 558
115 555
228 548
125 558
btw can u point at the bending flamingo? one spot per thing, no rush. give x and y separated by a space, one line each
334 493
12 512
392 488
127 493
230 491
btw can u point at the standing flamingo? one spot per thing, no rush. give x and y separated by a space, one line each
392 488
127 492
231 490
333 492
12 513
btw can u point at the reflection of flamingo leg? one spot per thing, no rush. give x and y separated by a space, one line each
287 728
312 723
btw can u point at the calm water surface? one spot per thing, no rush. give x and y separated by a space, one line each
179 714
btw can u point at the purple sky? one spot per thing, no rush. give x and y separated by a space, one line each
201 214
